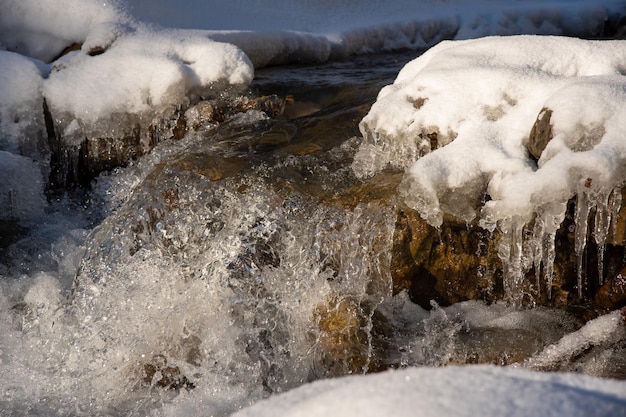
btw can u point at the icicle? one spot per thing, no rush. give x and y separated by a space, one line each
615 204
510 253
547 222
601 229
583 207
537 248
549 253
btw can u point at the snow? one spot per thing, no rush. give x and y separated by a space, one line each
42 29
147 66
480 99
351 26
21 101
142 72
453 391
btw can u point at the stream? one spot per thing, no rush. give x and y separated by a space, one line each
240 261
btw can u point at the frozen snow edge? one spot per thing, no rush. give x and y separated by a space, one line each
488 391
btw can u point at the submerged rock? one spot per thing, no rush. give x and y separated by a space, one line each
158 373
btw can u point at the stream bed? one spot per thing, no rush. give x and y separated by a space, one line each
240 261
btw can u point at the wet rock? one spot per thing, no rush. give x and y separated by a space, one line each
541 133
341 334
612 294
295 109
80 153
351 337
158 373
449 265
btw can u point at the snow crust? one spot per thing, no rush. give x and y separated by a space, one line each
452 391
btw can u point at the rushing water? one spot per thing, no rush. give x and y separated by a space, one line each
238 262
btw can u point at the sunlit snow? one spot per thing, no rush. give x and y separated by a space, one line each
479 99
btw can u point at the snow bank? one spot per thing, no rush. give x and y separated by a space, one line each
117 66
143 72
451 392
273 31
458 120
42 29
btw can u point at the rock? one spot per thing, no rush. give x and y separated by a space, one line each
612 294
80 153
541 133
341 334
157 373
349 342
449 265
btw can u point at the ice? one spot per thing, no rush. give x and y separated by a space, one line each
21 105
21 191
461 118
595 332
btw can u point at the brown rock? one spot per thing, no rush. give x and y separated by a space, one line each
157 373
449 265
541 133
351 337
612 294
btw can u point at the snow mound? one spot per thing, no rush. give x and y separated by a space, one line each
458 121
42 29
105 64
142 72
450 392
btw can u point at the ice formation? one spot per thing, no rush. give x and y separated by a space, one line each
594 332
460 123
